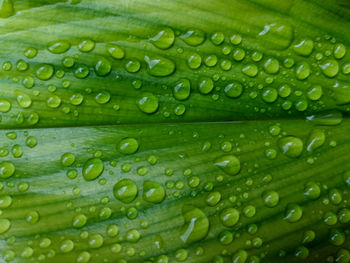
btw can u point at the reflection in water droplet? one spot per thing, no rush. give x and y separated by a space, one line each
276 36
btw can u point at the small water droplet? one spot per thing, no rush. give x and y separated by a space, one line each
7 169
44 71
147 103
193 37
291 146
293 213
115 51
304 47
316 139
330 68
153 192
159 66
58 47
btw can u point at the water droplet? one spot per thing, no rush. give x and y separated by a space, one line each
330 218
115 51
269 95
194 60
330 68
276 36
240 256
67 246
86 45
7 169
304 47
6 8
31 141
5 225
33 217
326 118
270 198
193 37
5 201
291 146
271 66
67 159
336 237
132 236
95 241
83 257
5 105
27 252
44 71
102 67
196 224
238 54
249 211
125 190
335 196
79 220
23 99
251 70
312 190
103 97
53 101
58 47
159 66
206 85
316 139
301 252
234 89
230 164
181 255
339 51
112 230
128 146
81 71
92 169
153 192
229 217
308 236
133 65
293 213
213 198
147 103
315 92
344 215
211 60
217 38
225 64
182 89
302 70
76 99
164 39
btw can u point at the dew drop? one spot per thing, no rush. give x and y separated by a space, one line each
86 45
44 71
125 191
316 139
302 71
312 190
291 146
293 213
164 39
58 47
159 66
7 169
196 224
304 47
147 103
330 68
230 164
102 67
182 89
276 36
115 51
5 225
23 99
153 192
5 105
193 37
92 169
270 198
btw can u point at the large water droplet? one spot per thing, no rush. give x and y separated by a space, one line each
316 139
159 66
330 68
230 164
193 37
326 118
182 89
128 146
44 71
196 224
293 213
291 146
5 105
92 169
153 192
58 47
164 39
234 89
229 217
7 169
304 47
23 99
125 190
276 36
147 103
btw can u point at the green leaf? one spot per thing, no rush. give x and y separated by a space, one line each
174 131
